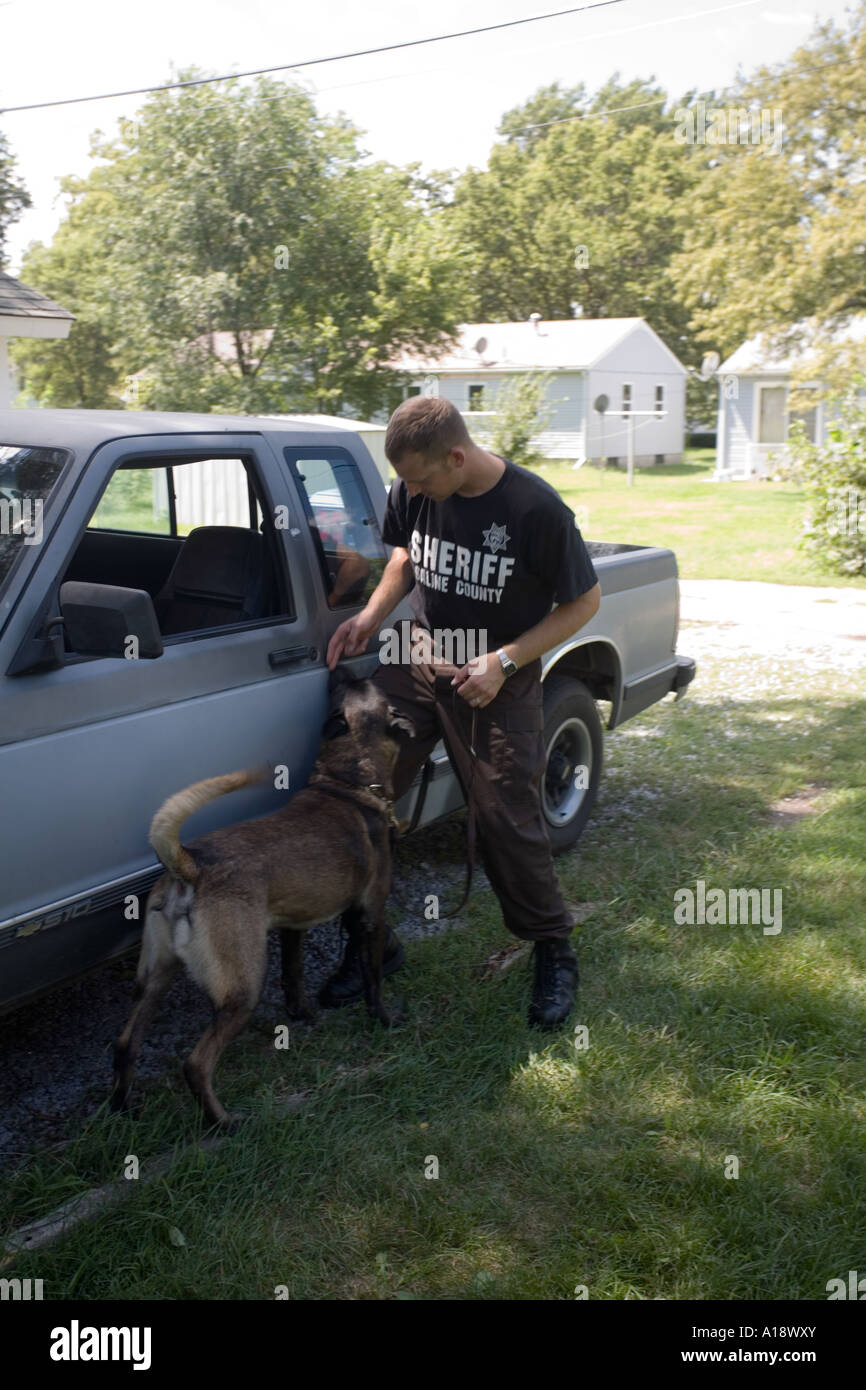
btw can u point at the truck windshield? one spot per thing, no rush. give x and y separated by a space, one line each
28 477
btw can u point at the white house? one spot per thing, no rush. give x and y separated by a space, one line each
25 313
622 359
755 417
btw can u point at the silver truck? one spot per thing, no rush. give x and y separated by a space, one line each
168 587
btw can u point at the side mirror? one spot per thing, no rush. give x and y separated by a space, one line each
100 619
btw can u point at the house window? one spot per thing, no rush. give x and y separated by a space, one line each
626 398
660 401
476 397
808 418
771 415
412 391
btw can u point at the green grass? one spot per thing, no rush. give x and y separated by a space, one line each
742 530
603 1167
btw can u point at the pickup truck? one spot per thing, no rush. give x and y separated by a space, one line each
168 587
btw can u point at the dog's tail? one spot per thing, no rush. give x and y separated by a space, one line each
165 826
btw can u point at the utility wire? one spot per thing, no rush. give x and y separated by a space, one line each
313 62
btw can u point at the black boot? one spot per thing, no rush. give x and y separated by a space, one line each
346 985
555 984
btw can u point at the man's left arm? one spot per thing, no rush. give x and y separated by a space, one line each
481 681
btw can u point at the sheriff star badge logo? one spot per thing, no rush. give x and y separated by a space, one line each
495 537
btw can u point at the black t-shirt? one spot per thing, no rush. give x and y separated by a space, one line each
497 562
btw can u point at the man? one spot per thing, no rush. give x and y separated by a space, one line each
486 548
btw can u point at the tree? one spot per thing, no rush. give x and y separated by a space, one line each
81 369
14 197
779 245
521 414
238 252
579 212
833 476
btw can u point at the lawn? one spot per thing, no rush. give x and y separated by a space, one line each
608 1166
743 530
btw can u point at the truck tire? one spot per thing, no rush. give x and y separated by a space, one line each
573 739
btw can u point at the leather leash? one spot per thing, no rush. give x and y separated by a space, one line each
351 792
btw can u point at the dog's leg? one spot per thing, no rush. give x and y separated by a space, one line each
292 955
228 960
199 1066
157 967
371 931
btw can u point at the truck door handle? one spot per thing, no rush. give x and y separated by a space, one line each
287 656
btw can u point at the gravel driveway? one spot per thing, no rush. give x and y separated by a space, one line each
47 1084
776 619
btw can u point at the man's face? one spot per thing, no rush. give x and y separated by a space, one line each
436 479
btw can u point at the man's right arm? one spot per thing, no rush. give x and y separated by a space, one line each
352 636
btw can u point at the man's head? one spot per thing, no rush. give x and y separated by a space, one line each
427 443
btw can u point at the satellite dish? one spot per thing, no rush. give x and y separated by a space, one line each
480 345
710 365
601 404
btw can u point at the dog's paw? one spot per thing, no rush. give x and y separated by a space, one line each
231 1122
392 1018
303 1014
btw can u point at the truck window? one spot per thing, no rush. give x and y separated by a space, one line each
200 492
194 534
342 522
28 477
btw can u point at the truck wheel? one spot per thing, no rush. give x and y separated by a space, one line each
574 745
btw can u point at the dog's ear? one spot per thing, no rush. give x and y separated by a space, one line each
335 725
398 721
340 678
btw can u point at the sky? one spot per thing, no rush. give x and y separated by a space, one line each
438 104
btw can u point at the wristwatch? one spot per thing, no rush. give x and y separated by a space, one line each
509 667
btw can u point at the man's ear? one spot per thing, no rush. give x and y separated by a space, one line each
396 721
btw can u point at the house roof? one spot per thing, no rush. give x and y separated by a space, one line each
552 344
756 358
20 301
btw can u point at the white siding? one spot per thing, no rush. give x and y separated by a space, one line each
641 360
8 386
564 435
651 435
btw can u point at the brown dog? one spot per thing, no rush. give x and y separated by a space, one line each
326 854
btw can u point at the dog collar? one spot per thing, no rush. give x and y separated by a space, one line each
350 791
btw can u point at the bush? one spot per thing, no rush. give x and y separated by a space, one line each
833 476
522 413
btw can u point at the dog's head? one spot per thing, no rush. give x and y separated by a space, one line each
362 732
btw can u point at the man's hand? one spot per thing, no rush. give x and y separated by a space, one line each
350 638
480 680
